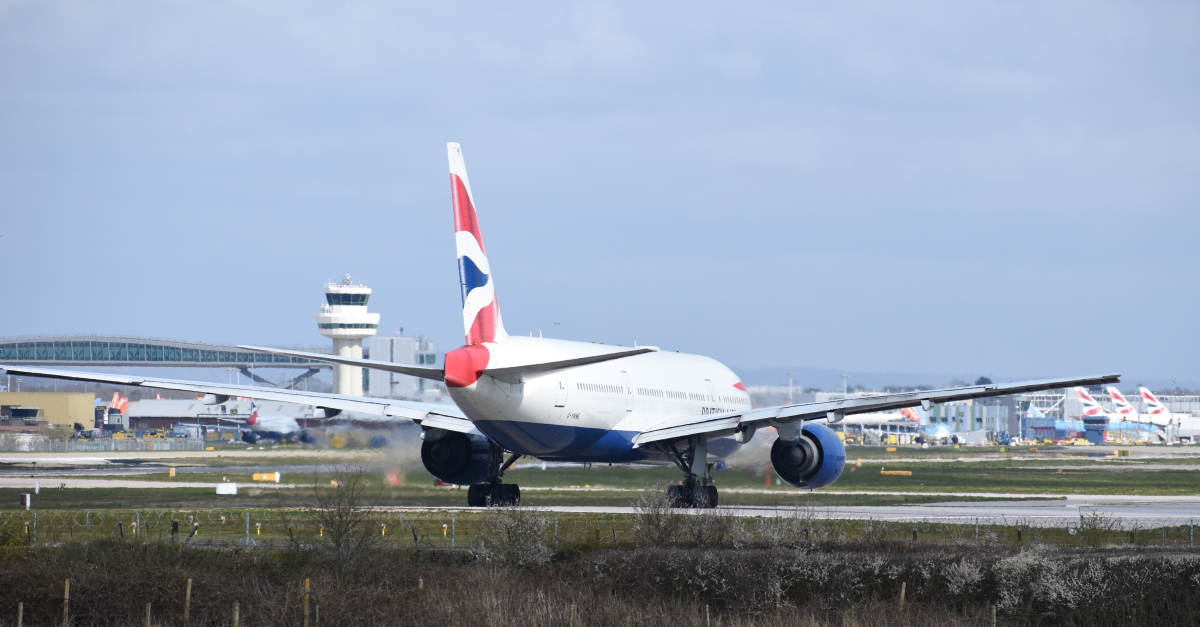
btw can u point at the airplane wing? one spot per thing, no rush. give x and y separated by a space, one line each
720 425
446 417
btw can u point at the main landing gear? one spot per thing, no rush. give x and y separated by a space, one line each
492 493
697 489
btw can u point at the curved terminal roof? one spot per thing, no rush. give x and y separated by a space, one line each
99 350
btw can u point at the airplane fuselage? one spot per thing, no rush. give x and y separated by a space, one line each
592 412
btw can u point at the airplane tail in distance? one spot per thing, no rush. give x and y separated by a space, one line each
1154 407
481 310
1034 412
1088 405
1121 404
914 414
253 414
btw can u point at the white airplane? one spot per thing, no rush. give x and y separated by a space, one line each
274 428
938 433
577 401
1185 425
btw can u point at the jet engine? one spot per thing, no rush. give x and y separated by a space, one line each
454 457
814 460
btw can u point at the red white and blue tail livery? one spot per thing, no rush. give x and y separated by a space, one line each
1154 407
481 312
1089 407
1121 405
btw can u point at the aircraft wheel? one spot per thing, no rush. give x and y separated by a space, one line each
494 495
477 495
506 495
706 496
676 496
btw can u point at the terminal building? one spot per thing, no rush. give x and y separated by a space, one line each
413 351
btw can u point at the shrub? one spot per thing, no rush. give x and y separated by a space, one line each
514 536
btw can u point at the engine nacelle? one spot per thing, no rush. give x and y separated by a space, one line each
814 460
455 457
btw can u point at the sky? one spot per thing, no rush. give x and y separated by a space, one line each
1003 188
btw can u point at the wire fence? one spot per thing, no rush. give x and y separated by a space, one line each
449 529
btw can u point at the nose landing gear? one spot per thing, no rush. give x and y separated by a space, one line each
492 493
697 489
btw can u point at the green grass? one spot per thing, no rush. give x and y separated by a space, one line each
971 477
934 470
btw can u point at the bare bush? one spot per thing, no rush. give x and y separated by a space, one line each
656 522
1098 528
344 525
713 527
799 526
825 583
514 536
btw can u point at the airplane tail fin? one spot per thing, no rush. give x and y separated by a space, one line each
1088 405
253 414
915 414
481 310
1154 407
1121 404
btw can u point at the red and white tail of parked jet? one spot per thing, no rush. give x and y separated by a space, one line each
573 401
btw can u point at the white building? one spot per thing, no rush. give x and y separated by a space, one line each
345 320
413 351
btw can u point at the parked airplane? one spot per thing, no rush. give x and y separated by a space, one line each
576 401
273 428
1154 407
938 433
1177 424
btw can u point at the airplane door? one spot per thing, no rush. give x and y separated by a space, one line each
628 391
560 398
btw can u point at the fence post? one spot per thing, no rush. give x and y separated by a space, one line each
247 533
307 585
35 527
147 615
235 614
66 603
453 529
976 529
20 613
187 604
1192 532
556 528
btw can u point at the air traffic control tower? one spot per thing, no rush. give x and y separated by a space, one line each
345 320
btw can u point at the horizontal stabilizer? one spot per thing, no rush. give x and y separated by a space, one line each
567 363
437 374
